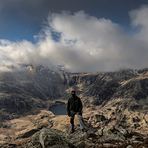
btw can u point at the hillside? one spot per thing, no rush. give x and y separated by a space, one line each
27 89
115 108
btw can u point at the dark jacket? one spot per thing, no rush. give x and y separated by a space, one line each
74 104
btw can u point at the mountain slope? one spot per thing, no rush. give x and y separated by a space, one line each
115 108
27 89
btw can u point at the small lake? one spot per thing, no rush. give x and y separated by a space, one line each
58 109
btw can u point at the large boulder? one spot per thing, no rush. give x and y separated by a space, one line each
49 138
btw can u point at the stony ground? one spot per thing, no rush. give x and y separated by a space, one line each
102 130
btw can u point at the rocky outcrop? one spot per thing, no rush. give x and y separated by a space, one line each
49 138
134 88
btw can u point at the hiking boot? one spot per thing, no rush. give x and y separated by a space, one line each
83 130
72 130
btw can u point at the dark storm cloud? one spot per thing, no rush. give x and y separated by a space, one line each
35 11
22 19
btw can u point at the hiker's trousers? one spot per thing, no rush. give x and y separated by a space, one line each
80 118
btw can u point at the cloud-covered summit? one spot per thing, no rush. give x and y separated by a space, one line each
85 43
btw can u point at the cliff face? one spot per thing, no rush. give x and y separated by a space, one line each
38 82
105 86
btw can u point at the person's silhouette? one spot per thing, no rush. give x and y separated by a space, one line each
74 106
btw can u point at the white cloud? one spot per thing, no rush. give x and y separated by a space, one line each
86 43
139 19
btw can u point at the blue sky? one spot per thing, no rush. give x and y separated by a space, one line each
22 19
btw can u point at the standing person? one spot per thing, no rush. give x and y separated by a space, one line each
74 106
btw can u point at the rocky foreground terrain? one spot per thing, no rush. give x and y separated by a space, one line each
115 109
